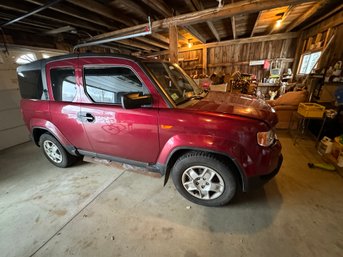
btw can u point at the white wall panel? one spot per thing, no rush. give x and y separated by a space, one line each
9 99
10 119
12 129
14 136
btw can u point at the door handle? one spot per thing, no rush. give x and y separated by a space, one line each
86 116
89 117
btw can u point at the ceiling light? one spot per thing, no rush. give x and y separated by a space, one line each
278 23
189 44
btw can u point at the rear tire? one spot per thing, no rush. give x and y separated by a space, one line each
204 179
54 151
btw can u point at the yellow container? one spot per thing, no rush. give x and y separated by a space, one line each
311 110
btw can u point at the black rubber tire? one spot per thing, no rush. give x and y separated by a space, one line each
195 158
67 159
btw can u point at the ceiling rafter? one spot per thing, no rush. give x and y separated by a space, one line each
199 7
307 15
49 15
160 38
152 42
103 10
159 6
255 24
132 6
337 9
229 10
194 6
132 42
195 33
74 13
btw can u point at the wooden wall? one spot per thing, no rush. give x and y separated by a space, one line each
235 57
328 27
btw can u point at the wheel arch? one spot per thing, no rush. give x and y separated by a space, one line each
230 161
37 132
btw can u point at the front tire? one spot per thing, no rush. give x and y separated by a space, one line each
204 179
54 151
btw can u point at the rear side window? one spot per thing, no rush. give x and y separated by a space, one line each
30 85
108 84
63 84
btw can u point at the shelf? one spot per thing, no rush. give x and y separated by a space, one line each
189 60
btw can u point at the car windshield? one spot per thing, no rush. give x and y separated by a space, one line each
175 82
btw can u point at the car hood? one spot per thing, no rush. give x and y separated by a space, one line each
236 104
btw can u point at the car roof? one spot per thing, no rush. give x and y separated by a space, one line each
42 62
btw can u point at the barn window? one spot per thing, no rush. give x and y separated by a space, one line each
308 61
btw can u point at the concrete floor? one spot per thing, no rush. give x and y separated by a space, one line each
95 210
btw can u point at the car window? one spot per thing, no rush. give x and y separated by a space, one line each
176 83
30 85
63 84
108 84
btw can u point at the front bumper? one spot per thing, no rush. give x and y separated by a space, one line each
258 181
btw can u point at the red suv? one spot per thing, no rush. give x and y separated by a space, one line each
149 113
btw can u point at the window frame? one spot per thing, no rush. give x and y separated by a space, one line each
51 83
39 81
108 66
302 59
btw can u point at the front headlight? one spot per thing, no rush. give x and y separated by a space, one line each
266 138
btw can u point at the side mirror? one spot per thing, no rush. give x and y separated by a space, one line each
135 100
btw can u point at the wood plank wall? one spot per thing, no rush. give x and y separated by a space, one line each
334 53
235 57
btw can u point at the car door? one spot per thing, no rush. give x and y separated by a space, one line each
64 93
123 133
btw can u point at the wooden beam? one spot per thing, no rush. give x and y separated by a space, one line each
134 8
213 30
160 38
159 6
103 10
195 33
272 37
198 6
74 13
255 24
229 10
134 43
50 15
151 42
307 15
173 51
233 25
329 14
298 52
327 25
204 60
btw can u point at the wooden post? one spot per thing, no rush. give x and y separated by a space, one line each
173 39
204 60
298 52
